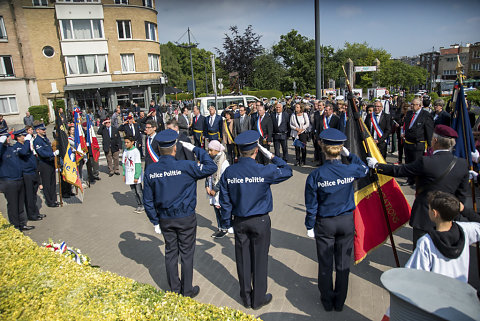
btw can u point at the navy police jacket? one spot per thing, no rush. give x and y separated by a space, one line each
245 187
329 189
10 167
28 161
44 149
170 187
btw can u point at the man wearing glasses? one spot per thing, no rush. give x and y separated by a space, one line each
417 131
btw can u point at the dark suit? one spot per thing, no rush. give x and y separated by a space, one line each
425 171
213 132
198 124
240 126
153 153
266 126
280 133
443 118
135 133
318 119
111 146
385 124
158 120
182 153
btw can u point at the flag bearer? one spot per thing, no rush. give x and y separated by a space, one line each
329 199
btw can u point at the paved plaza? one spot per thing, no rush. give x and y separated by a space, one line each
119 240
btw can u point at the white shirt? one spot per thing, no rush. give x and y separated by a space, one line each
428 258
129 159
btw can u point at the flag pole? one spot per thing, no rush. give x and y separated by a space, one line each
375 175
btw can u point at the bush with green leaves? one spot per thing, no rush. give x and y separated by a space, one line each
40 112
264 93
38 284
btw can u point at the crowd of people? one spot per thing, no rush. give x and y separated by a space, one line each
231 151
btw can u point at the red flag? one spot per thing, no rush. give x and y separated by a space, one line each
92 140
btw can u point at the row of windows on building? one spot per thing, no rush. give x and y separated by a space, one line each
87 64
146 3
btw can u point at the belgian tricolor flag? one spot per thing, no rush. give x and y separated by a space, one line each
371 229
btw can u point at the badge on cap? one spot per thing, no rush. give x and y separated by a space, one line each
247 140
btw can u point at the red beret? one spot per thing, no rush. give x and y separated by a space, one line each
445 131
152 109
84 124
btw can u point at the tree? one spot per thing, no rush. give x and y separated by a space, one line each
395 73
267 73
239 53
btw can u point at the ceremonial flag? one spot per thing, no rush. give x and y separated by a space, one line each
92 140
70 171
371 229
461 123
79 139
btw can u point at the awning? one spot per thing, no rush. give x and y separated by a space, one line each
115 84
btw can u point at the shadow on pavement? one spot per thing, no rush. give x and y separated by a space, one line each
302 245
346 314
145 252
125 199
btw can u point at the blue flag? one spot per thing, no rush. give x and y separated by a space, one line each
461 123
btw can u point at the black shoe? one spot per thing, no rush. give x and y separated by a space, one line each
117 173
327 307
195 291
268 299
297 163
220 234
53 205
110 174
42 215
247 305
26 227
97 178
66 196
39 218
339 309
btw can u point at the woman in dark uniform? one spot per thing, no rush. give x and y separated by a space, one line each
329 199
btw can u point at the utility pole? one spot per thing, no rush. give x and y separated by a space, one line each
189 46
318 54
206 78
214 79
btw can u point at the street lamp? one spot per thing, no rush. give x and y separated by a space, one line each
190 46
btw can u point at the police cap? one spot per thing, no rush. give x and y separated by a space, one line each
3 131
332 136
445 131
247 140
19 132
40 126
166 138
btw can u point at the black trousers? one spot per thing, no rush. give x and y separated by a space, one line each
231 153
276 146
317 150
383 149
92 169
14 192
196 140
412 153
180 235
31 183
47 174
252 242
261 159
334 238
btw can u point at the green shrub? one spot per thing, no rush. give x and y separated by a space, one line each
59 103
37 284
409 97
433 96
264 93
40 112
474 97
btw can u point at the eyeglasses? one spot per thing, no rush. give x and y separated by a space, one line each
148 126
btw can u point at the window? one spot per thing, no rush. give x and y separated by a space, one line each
148 3
153 62
40 2
449 72
476 54
124 29
121 1
78 0
476 67
88 64
3 32
82 29
128 62
6 66
8 105
151 31
48 51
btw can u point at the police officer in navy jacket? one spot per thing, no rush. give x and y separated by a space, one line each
170 198
46 165
11 182
31 180
245 193
329 199
212 129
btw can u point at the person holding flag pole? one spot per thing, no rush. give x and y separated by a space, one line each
93 152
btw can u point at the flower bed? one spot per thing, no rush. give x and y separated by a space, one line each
38 284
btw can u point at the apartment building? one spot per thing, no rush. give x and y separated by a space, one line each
474 61
447 61
88 52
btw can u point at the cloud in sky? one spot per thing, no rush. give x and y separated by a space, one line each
348 11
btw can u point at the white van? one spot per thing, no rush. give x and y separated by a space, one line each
222 102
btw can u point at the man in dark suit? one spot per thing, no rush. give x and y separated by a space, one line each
182 153
242 123
198 123
327 120
319 107
130 128
264 126
440 117
151 145
184 121
111 142
417 131
380 125
281 122
441 171
212 129
152 115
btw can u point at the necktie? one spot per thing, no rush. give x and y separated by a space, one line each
155 118
241 120
211 120
279 119
133 130
150 140
110 131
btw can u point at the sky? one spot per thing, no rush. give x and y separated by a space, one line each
402 28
